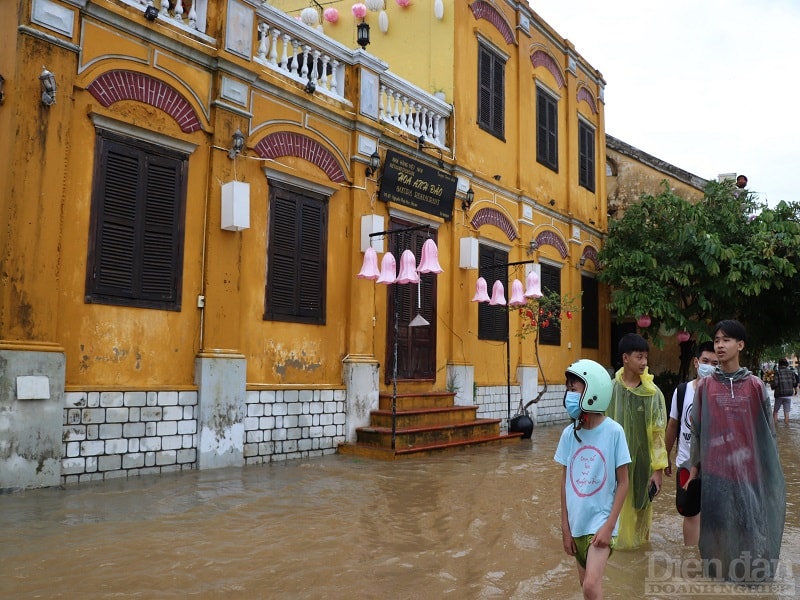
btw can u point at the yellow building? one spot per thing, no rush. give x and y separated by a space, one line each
189 197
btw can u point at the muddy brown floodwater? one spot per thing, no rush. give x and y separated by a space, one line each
481 523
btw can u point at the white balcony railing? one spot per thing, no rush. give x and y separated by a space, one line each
413 110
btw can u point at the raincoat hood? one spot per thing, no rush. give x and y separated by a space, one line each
648 388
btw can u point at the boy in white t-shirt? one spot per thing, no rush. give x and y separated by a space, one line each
679 429
595 455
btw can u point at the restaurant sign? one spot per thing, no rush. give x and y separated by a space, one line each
416 185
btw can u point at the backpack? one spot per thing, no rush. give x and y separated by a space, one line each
681 394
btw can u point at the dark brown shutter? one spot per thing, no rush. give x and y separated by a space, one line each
493 320
586 160
590 335
546 130
551 283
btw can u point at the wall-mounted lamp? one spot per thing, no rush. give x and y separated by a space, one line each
238 144
48 81
362 34
374 163
532 246
2 93
151 12
469 198
310 87
582 261
497 177
552 202
420 142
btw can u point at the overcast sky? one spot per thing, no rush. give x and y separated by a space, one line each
710 86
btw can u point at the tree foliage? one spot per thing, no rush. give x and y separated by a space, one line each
690 265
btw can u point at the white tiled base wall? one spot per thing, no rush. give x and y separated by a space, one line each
288 424
122 434
493 404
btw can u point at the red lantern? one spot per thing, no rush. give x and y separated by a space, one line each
683 336
644 321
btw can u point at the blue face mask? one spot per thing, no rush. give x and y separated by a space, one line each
704 370
572 402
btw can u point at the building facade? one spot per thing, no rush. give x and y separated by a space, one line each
190 197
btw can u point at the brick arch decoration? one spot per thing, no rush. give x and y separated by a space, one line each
287 143
492 216
551 238
113 86
590 253
540 58
585 95
483 10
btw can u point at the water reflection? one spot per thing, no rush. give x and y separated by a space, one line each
482 523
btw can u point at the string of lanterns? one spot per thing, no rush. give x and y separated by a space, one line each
409 271
533 289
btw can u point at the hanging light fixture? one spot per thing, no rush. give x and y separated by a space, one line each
481 295
534 285
362 34
237 144
517 297
369 269
374 163
498 294
388 269
48 81
408 272
469 198
429 259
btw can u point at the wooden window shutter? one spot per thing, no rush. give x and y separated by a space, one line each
551 283
493 320
586 159
590 335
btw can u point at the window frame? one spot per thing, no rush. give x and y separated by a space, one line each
586 156
122 257
491 91
307 261
546 128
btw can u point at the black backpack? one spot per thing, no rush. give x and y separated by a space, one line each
681 389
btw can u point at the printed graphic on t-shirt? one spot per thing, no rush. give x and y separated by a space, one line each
588 471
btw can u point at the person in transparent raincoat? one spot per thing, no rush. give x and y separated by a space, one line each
638 405
735 454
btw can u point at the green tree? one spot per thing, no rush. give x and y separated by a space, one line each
690 265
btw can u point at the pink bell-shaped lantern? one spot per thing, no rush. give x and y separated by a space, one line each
388 269
683 336
369 270
498 294
408 270
517 297
481 295
644 321
429 261
534 286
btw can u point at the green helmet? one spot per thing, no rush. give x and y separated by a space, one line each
597 395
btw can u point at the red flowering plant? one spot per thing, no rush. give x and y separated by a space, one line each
542 313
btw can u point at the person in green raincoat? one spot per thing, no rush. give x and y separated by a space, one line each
638 405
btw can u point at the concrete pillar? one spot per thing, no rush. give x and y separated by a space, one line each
361 380
221 380
461 380
528 378
31 415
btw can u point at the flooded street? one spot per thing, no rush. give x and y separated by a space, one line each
482 523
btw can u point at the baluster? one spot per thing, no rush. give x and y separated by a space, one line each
284 57
273 48
326 84
381 103
416 121
263 30
164 9
337 84
404 117
193 16
315 66
427 127
436 135
394 112
304 68
295 67
179 11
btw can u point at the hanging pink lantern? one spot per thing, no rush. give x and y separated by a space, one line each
481 295
498 294
369 270
388 269
408 271
331 15
403 3
683 336
534 286
517 297
359 10
429 261
644 321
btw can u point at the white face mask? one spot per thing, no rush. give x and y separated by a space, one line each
704 370
572 402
